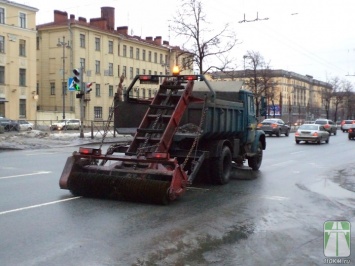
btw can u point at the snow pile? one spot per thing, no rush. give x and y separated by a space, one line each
36 139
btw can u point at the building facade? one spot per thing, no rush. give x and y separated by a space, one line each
293 97
103 53
18 93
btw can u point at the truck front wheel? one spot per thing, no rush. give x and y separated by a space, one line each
255 161
222 166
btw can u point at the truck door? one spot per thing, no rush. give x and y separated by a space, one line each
251 119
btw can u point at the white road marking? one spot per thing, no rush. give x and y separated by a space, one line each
36 173
296 152
275 198
37 206
281 163
40 153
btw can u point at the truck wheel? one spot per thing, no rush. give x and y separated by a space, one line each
222 166
255 161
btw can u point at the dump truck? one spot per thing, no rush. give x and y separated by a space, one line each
192 129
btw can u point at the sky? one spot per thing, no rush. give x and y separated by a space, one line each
308 37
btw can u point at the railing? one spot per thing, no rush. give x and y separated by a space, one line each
95 128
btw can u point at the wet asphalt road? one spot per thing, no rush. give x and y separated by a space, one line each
275 218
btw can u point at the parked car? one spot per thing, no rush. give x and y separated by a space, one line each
328 124
351 132
9 125
274 126
66 124
312 133
346 124
25 125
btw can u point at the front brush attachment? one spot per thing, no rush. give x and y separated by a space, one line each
119 187
146 180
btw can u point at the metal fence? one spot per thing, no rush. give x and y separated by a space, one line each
96 128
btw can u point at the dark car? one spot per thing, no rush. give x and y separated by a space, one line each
312 133
328 124
274 126
9 125
351 132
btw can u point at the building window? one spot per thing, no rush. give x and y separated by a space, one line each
137 71
118 70
64 87
82 40
110 69
155 58
97 44
2 15
2 44
97 66
149 56
22 48
2 75
161 59
37 43
131 72
22 21
82 63
97 112
22 77
143 55
52 87
131 52
143 71
110 91
137 53
110 47
22 108
124 71
97 90
125 50
119 50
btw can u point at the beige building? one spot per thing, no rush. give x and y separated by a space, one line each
292 96
104 53
18 93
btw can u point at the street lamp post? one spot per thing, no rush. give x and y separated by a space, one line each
64 45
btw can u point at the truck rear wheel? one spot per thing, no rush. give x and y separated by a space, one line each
255 161
222 166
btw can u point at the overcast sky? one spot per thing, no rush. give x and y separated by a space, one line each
313 37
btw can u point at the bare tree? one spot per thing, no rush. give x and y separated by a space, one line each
260 79
202 40
327 96
337 94
348 99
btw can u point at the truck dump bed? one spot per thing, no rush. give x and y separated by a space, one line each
223 115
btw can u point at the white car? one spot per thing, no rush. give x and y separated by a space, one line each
25 125
66 124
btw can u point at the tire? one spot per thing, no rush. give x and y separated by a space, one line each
335 132
222 167
327 140
297 142
255 161
287 132
278 133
